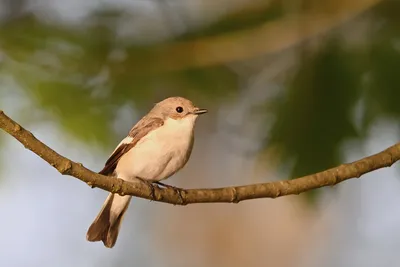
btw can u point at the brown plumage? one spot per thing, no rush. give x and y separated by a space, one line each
137 132
103 227
156 147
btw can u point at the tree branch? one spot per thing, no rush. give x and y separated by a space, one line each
271 37
187 196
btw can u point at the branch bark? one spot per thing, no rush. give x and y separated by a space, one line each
233 194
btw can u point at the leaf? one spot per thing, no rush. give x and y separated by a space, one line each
76 110
383 86
315 115
245 19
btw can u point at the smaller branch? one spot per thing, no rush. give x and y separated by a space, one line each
269 38
188 196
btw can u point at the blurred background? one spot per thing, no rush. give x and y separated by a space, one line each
292 88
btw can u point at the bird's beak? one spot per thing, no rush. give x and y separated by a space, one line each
199 111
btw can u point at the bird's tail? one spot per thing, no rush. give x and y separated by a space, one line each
107 223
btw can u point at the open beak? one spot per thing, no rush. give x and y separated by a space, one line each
199 111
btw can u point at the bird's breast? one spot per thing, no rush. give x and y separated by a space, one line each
162 152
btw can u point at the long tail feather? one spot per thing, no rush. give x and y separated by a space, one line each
107 223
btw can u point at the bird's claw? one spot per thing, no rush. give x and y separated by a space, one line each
168 186
176 189
150 186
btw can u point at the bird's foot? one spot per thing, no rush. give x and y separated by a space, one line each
167 186
150 186
176 189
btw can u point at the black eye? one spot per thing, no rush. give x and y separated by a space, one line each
179 109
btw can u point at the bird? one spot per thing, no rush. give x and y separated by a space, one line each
157 146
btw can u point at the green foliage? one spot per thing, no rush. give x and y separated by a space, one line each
314 116
76 114
385 80
76 63
246 19
383 94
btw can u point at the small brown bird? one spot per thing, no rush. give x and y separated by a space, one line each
157 147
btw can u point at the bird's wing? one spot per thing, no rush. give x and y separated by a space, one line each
141 129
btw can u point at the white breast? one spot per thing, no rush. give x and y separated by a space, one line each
161 153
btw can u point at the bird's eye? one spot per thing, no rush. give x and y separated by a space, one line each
179 109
